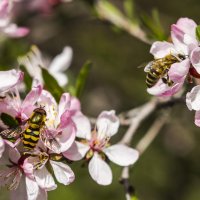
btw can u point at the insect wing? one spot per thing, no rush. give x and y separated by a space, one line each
12 133
49 141
148 66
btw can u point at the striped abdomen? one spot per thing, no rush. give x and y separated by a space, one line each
31 136
153 76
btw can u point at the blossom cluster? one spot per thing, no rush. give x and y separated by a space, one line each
66 136
186 51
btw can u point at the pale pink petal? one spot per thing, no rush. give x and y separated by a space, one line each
46 98
197 118
162 89
14 155
161 49
178 40
31 98
64 104
107 124
75 104
10 79
42 195
99 170
187 25
27 168
62 172
83 127
193 98
195 59
20 192
14 31
121 154
61 78
77 151
44 179
66 138
178 71
62 61
2 146
32 189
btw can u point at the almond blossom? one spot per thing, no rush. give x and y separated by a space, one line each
17 175
34 61
20 109
6 26
96 148
43 177
193 102
60 129
183 48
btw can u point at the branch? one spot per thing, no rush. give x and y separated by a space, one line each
155 128
142 112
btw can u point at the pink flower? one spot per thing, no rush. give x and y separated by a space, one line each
96 147
34 61
60 128
177 72
17 108
18 177
10 79
62 172
193 102
6 26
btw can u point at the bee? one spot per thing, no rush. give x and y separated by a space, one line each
31 133
158 69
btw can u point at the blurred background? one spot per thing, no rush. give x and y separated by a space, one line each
170 168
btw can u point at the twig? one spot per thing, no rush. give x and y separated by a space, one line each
145 111
147 139
129 190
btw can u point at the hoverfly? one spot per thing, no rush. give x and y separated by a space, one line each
158 68
31 133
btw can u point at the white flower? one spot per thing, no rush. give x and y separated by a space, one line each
34 60
96 148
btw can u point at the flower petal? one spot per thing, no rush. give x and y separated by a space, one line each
30 100
66 138
195 59
14 31
62 61
20 192
107 124
187 25
83 127
62 172
64 104
10 79
100 170
178 71
197 118
2 147
32 189
121 154
193 98
77 151
44 179
163 90
161 49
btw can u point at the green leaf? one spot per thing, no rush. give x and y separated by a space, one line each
129 8
198 32
51 84
27 78
153 25
9 120
81 79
